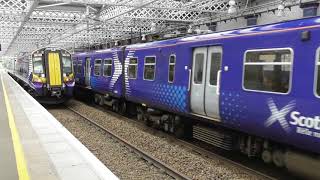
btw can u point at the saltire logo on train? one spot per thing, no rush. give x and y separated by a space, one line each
279 115
304 125
117 70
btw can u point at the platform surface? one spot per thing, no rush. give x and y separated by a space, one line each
34 145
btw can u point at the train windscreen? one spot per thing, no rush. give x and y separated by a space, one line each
38 65
67 64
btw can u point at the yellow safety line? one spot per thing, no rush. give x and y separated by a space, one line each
18 150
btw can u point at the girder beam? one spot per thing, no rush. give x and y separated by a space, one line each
25 19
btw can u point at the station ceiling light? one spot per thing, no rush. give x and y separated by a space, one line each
190 29
280 10
143 38
232 7
153 27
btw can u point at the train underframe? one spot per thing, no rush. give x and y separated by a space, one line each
299 162
46 96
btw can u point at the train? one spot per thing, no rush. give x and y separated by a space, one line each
255 90
46 73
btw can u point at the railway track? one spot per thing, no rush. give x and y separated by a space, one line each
146 156
199 150
209 154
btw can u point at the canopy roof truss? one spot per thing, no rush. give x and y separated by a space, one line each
29 24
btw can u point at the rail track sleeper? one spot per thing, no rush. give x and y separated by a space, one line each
198 150
156 162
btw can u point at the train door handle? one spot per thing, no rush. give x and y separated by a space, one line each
218 82
189 84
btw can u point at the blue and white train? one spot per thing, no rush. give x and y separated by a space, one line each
256 89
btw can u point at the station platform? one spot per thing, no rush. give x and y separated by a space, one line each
34 145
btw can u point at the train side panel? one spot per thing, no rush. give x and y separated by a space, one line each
158 91
99 79
288 116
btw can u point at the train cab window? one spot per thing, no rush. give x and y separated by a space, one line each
67 64
198 68
318 74
75 64
38 65
107 67
79 66
268 70
97 67
172 64
132 68
215 67
149 68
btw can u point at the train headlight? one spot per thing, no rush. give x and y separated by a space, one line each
68 78
43 75
38 79
64 75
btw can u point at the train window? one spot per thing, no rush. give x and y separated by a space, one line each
268 70
149 68
132 68
215 67
172 64
107 67
97 67
79 66
38 65
198 68
67 64
318 74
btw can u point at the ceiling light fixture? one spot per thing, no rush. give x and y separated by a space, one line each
281 8
143 38
232 7
190 30
153 27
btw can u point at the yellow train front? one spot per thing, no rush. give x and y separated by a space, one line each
51 75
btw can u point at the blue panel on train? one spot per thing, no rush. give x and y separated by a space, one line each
171 97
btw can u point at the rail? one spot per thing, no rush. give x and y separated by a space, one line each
149 158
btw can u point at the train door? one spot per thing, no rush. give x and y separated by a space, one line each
87 71
205 81
212 81
198 82
54 66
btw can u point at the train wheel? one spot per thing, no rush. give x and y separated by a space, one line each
179 131
278 158
139 116
266 156
140 113
101 100
115 106
123 108
147 122
96 99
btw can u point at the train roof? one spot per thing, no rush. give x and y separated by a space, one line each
292 24
49 48
101 51
313 21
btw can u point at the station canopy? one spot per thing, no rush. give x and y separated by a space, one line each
30 24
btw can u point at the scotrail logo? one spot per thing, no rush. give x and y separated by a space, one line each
304 125
279 115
